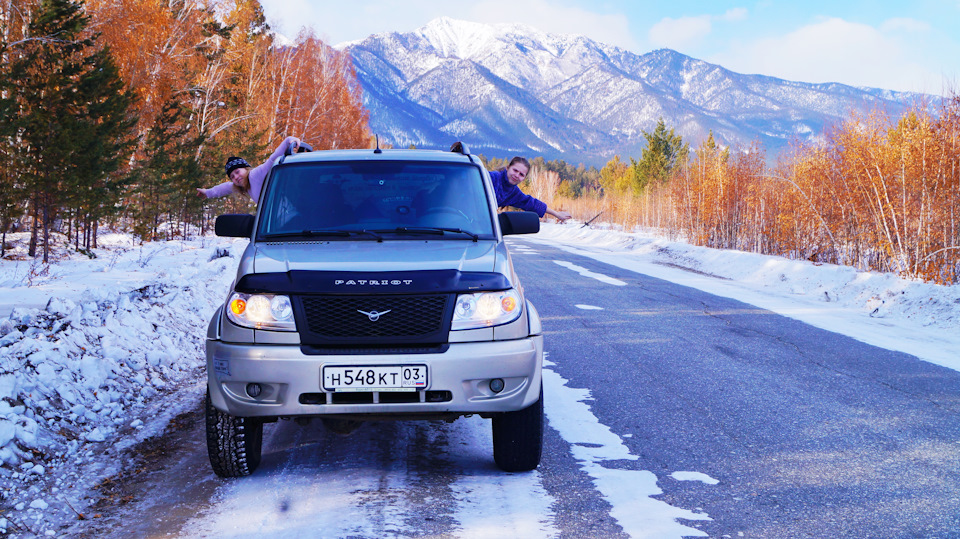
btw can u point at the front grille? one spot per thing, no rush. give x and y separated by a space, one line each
367 318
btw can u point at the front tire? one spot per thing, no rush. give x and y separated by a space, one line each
233 443
518 438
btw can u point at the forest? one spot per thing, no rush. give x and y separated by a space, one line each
878 193
113 112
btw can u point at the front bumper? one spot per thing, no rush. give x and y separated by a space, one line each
290 380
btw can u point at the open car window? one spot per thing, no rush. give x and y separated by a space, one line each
394 198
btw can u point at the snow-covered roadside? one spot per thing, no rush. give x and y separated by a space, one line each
94 354
881 309
98 354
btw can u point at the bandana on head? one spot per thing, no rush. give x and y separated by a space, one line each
234 163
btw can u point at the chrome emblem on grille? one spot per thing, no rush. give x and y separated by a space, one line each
374 315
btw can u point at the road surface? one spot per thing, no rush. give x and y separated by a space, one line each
671 413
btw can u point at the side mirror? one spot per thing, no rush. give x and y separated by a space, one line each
519 222
234 225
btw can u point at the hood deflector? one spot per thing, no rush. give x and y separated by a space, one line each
371 282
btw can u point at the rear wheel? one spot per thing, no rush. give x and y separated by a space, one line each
233 443
518 438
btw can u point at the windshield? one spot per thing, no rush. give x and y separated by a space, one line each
339 200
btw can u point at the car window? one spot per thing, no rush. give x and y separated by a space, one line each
393 197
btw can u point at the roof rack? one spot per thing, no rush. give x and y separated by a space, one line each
459 147
302 147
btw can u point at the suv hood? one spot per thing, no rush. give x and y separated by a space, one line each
372 256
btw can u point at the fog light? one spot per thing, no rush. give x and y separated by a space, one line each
254 390
496 385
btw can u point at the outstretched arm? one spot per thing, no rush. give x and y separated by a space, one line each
292 142
216 191
559 214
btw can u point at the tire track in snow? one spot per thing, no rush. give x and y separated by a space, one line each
387 479
412 479
491 501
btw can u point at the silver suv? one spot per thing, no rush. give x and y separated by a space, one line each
376 285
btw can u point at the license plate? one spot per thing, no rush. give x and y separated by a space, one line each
374 378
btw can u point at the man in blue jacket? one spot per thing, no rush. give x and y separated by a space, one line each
508 194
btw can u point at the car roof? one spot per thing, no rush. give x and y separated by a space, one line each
375 155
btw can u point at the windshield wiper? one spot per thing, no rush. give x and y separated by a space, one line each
373 233
436 230
324 233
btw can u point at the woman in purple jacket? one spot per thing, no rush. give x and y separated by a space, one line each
508 194
243 178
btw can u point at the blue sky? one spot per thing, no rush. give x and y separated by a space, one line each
911 45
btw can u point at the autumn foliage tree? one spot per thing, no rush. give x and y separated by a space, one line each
242 92
888 191
203 80
879 193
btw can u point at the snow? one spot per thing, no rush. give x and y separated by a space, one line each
694 476
586 96
90 350
587 273
455 38
340 494
95 354
593 445
880 309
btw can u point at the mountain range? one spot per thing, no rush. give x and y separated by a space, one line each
514 90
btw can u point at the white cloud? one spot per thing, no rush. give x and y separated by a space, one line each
342 21
835 50
680 34
734 14
905 25
686 33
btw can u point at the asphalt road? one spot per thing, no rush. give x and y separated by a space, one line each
808 433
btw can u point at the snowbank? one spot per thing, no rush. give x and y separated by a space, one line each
97 354
881 309
89 350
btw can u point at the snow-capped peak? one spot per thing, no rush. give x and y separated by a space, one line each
510 86
466 39
457 38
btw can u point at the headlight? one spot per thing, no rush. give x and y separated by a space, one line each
486 309
261 311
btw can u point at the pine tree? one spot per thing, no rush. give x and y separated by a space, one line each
105 141
10 188
36 98
168 176
65 105
664 151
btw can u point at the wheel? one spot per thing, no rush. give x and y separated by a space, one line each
233 443
518 438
